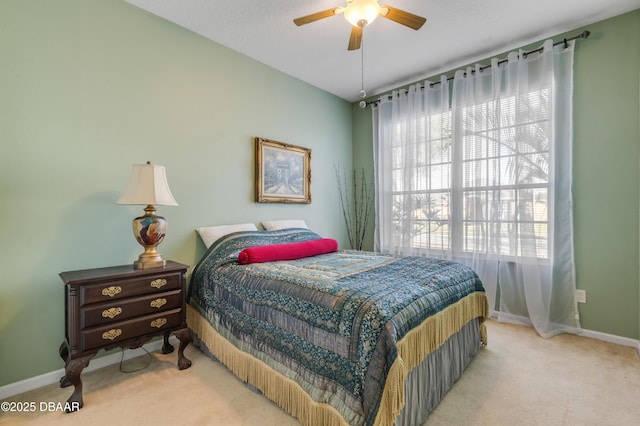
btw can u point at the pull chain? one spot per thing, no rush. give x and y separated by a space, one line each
363 93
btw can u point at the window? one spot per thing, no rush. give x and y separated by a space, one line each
422 193
488 192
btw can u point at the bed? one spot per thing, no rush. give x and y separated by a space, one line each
342 337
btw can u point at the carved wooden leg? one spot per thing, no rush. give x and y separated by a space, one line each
72 370
184 335
64 351
64 354
167 348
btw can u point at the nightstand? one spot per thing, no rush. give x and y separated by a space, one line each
120 306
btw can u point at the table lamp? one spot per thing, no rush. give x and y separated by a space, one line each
148 186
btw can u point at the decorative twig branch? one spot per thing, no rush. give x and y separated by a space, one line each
356 201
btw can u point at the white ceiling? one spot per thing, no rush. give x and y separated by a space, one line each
457 32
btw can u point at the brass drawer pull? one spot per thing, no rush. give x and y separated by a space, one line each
160 282
111 334
157 323
158 303
111 291
111 312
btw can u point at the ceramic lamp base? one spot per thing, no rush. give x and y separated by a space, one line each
149 231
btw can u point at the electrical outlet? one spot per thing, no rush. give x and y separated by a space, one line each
581 296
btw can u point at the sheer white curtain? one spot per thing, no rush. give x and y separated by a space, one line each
486 180
404 126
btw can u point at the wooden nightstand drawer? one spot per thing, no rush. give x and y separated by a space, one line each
123 309
113 290
115 332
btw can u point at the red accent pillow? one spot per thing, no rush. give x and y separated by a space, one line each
288 251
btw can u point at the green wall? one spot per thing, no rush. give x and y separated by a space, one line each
606 171
607 174
89 87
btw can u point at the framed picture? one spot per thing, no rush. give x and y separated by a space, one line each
283 172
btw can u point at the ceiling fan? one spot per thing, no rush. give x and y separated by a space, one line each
361 13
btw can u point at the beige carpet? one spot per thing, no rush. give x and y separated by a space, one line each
519 379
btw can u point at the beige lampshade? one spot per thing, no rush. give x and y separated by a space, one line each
147 186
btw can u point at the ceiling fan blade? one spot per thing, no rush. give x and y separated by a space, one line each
355 40
401 17
317 16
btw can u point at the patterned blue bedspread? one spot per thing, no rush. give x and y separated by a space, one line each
330 322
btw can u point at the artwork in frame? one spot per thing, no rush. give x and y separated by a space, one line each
283 172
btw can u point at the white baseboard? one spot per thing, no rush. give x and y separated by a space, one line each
624 341
610 338
45 379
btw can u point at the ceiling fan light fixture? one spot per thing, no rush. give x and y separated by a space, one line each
358 11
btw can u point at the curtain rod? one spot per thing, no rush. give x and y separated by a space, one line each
565 41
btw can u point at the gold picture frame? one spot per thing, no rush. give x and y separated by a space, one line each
283 172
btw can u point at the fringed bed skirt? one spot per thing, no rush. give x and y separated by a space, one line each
428 382
431 358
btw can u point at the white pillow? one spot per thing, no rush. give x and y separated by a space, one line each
272 225
210 234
